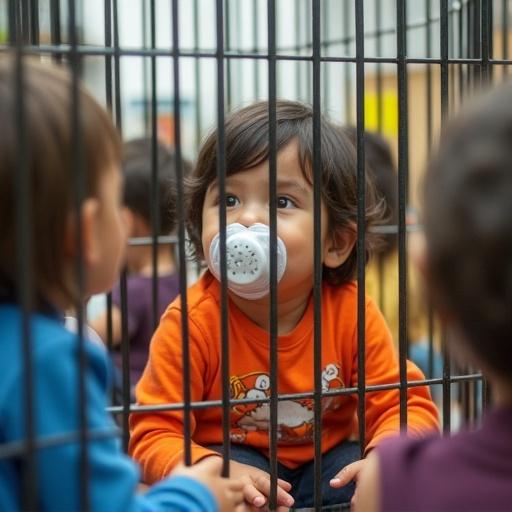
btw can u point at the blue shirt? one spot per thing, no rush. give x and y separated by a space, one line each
112 476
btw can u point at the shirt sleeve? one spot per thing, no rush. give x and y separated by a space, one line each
157 440
382 367
111 477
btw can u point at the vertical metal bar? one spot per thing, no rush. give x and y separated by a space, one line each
14 33
79 191
317 260
24 280
347 78
272 170
298 66
403 162
325 45
229 88
55 29
429 137
155 207
255 48
221 179
197 80
108 58
444 54
181 236
504 34
361 221
34 22
109 97
125 359
147 74
486 40
125 352
378 35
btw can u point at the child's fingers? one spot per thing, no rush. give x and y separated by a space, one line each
287 486
252 495
283 498
347 474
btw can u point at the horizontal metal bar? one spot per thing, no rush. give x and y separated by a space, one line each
135 408
91 51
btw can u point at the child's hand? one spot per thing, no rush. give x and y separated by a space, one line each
227 491
257 486
347 474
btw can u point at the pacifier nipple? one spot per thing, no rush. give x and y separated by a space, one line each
245 259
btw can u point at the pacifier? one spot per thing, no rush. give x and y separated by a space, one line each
247 259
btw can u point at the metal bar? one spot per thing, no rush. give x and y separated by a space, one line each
91 51
443 49
504 33
34 21
361 221
255 47
197 80
347 79
272 171
24 280
378 30
79 192
317 255
221 179
207 404
125 359
180 206
55 29
486 40
403 158
229 85
154 202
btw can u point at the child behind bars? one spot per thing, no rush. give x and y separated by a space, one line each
110 477
468 262
157 437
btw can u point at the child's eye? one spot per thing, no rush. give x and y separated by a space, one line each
285 202
232 201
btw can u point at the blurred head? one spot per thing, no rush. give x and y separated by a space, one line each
50 148
468 227
380 165
138 196
247 150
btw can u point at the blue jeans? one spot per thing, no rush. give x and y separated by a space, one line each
302 478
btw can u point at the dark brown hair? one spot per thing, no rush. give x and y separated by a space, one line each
47 109
468 225
137 171
247 145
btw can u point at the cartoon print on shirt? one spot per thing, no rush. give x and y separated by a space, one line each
295 417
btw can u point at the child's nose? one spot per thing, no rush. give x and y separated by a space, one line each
251 214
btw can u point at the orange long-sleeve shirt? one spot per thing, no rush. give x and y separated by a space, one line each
157 437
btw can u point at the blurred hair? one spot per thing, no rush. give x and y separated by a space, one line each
50 149
468 225
247 145
380 165
137 170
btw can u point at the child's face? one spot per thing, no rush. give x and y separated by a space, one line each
108 234
247 202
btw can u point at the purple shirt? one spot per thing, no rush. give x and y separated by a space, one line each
140 311
471 471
